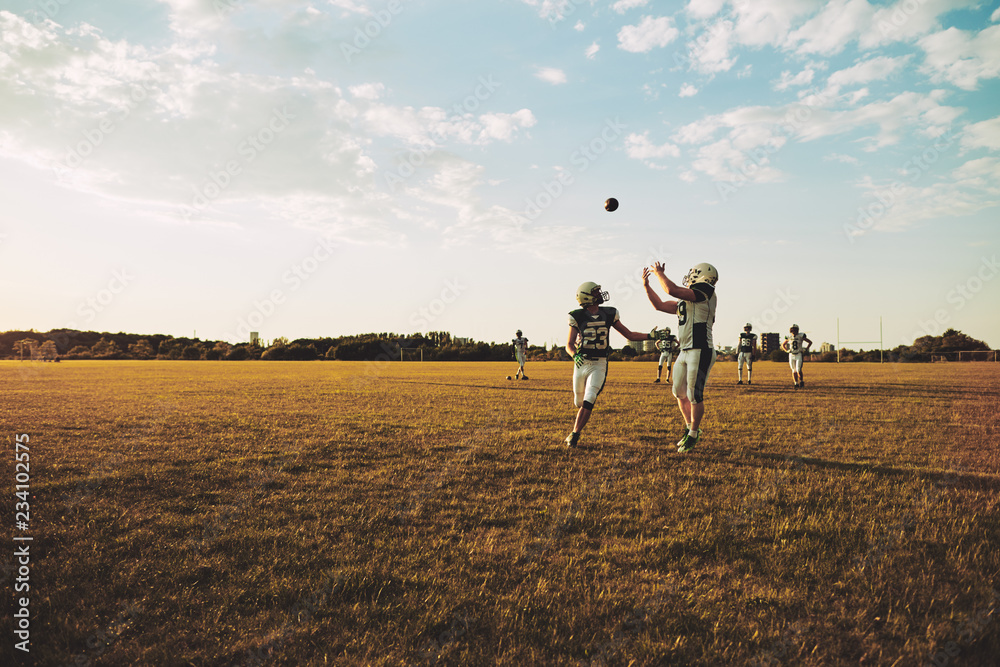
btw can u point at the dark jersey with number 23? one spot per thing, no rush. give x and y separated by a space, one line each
595 330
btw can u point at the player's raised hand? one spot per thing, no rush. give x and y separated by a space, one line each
645 275
659 268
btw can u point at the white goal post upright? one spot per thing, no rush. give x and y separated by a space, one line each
862 342
419 349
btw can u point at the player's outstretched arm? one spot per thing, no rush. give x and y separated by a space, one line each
672 288
629 334
654 298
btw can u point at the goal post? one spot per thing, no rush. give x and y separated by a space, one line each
881 347
415 353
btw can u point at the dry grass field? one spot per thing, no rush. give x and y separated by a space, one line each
220 513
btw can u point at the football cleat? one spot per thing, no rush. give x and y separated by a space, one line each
683 437
740 382
688 443
524 377
573 439
656 380
701 273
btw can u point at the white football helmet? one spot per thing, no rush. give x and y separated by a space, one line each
590 293
748 327
794 328
701 273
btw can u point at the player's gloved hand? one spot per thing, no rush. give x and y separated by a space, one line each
653 335
578 358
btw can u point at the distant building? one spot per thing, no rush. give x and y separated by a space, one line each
636 345
826 347
769 342
460 341
648 345
255 338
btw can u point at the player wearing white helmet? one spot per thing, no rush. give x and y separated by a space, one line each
746 351
796 344
667 345
695 310
520 348
588 343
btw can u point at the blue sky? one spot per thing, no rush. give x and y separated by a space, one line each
314 169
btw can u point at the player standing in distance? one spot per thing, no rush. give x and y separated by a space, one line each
667 345
795 344
589 333
520 348
746 351
695 309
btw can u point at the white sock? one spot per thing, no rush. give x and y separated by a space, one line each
693 433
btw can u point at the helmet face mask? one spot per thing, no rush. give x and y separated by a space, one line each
794 329
518 332
590 294
701 273
748 327
666 330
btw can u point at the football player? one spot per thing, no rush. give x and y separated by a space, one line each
588 343
667 345
520 347
695 309
746 352
796 344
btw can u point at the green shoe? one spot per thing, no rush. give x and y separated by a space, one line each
688 443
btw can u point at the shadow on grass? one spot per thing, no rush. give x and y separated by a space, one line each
958 479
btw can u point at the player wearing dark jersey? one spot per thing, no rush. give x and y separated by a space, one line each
588 343
695 310
746 351
667 345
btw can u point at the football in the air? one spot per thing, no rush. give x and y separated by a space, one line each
611 204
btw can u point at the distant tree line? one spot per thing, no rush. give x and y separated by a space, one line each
435 346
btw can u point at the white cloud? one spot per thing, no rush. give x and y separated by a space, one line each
828 32
687 90
551 75
159 129
874 69
985 134
703 9
960 58
767 22
579 26
553 10
966 190
367 91
592 50
503 126
650 33
839 157
623 6
995 16
710 52
906 20
788 80
639 147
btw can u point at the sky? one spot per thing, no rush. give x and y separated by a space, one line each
308 169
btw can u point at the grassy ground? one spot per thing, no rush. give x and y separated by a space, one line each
405 514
